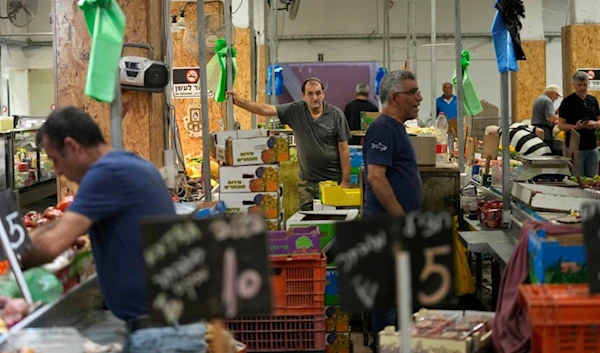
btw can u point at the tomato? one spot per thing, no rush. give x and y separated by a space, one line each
65 203
52 213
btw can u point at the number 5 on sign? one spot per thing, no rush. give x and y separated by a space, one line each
432 268
11 225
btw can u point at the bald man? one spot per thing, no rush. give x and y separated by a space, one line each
446 103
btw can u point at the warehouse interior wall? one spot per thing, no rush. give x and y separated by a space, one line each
320 28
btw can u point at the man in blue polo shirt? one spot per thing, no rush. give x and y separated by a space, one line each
116 190
393 182
446 103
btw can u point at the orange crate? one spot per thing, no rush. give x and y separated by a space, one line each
564 318
280 333
298 286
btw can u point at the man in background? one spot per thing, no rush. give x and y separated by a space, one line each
392 179
544 115
527 140
321 133
354 108
580 112
446 103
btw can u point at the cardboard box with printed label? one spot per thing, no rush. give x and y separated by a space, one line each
336 320
266 203
249 147
325 220
254 178
337 342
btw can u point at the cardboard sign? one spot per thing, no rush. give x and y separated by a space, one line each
365 260
206 268
489 149
11 224
591 235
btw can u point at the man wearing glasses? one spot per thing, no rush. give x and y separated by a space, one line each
393 182
579 111
321 133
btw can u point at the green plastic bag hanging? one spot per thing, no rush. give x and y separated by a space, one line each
106 23
217 74
471 103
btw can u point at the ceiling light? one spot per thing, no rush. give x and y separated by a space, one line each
181 23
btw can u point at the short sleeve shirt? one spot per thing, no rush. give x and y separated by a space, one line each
116 193
543 108
387 143
316 139
574 109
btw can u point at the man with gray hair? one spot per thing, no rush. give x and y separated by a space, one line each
353 110
393 182
544 115
580 112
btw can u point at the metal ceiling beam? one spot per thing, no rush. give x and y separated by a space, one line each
547 35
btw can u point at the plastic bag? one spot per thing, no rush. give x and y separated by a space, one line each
106 23
471 103
213 75
381 72
221 54
43 285
463 279
503 44
278 80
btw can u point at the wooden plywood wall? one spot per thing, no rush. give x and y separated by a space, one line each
142 112
217 111
530 81
578 53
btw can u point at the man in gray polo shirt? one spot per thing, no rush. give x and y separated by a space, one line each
544 115
321 133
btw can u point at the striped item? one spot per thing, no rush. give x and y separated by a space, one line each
525 142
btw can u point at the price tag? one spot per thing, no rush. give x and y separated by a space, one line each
209 268
591 235
11 224
365 260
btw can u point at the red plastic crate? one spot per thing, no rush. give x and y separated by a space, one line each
280 333
298 286
564 318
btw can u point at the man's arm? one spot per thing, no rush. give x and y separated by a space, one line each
344 151
253 107
550 112
52 239
383 190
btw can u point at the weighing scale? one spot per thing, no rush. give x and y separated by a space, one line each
544 170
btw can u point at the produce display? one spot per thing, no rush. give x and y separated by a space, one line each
33 219
592 183
489 213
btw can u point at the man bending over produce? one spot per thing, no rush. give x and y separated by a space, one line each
116 189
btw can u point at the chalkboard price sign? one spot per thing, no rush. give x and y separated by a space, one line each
591 234
366 266
209 268
11 224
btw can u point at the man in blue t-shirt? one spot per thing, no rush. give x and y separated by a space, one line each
393 182
116 190
446 103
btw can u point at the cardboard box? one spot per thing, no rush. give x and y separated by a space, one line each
325 220
266 203
336 320
337 342
259 178
249 147
425 148
556 260
318 206
333 194
356 158
295 242
367 118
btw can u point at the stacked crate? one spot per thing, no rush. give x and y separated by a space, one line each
337 322
298 297
249 179
356 161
